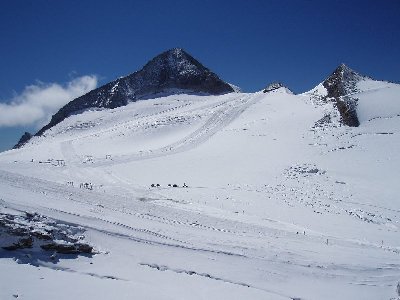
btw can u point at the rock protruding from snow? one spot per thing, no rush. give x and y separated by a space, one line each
340 86
23 140
36 233
173 71
276 85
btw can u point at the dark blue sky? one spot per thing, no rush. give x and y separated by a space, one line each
247 43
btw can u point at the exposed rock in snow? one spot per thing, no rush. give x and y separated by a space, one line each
340 85
276 85
35 232
340 88
23 140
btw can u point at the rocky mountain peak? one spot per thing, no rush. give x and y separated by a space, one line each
344 69
343 80
340 87
175 69
175 61
276 85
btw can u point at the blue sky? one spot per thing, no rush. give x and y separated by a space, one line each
46 45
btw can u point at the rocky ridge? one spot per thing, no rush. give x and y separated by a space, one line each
23 140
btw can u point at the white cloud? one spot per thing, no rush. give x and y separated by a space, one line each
37 103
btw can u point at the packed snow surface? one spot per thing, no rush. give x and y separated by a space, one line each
271 200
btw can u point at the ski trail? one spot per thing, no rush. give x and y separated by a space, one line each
222 116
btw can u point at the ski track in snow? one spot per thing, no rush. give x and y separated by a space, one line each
222 115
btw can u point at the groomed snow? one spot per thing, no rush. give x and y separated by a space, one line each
275 207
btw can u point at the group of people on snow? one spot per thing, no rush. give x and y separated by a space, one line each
154 185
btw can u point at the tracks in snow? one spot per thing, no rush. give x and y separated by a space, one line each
222 115
93 208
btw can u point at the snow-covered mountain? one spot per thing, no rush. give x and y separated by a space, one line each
170 72
235 196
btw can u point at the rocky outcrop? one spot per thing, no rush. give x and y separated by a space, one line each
23 140
72 248
173 71
276 85
341 85
34 233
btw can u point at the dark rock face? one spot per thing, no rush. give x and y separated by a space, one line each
67 248
23 140
340 86
274 86
170 72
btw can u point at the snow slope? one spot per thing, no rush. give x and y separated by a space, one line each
278 204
